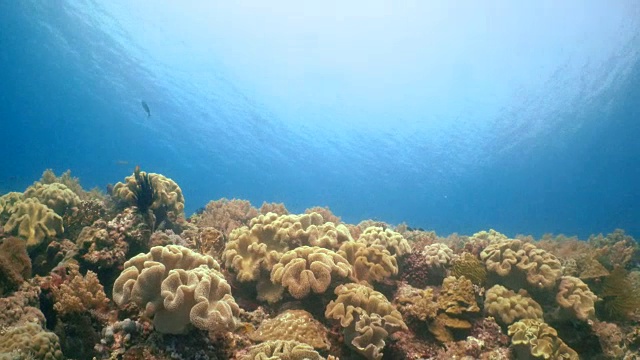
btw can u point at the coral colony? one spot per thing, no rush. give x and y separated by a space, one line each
84 275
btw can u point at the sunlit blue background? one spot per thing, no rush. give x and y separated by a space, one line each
523 116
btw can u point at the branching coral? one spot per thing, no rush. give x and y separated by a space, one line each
575 297
395 243
178 286
532 338
326 213
309 268
296 325
520 264
508 307
277 208
78 294
226 215
371 263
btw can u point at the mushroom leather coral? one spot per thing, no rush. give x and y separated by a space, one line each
56 196
371 263
33 221
168 193
281 350
394 242
260 245
309 268
507 306
178 286
514 259
575 297
533 339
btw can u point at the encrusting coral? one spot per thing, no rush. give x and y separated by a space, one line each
177 287
533 339
508 307
297 325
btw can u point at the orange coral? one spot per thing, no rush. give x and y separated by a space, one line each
79 293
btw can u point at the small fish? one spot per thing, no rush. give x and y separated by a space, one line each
121 162
146 108
110 189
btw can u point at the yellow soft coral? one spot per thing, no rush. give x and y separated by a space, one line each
519 263
178 286
366 315
297 325
371 263
534 338
394 242
33 221
259 246
575 297
507 306
309 268
56 196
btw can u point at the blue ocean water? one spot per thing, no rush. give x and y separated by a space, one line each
523 117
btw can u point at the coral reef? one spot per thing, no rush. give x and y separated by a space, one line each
305 286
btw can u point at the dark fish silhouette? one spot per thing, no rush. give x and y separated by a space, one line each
146 108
